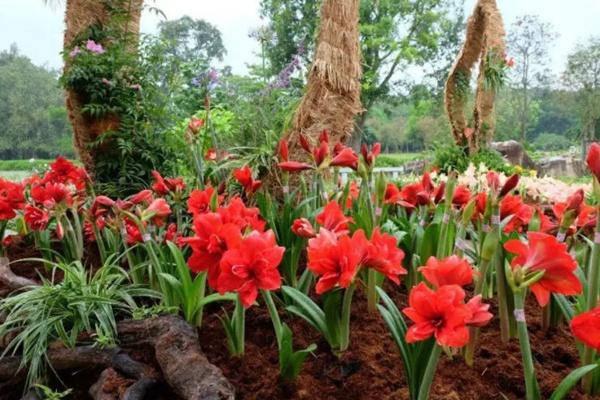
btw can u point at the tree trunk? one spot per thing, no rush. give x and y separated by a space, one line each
332 98
79 16
485 37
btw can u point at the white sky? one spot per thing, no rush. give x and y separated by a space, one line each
37 28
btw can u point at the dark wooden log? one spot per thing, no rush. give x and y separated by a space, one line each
177 351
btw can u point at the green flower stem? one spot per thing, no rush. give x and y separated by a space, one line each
473 331
531 384
201 295
592 301
239 326
429 373
371 290
345 320
277 326
2 232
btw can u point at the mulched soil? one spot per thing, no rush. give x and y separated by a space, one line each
372 367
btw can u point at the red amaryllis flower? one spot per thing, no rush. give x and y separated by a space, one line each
134 235
320 153
346 158
509 185
294 166
593 160
392 194
246 218
333 219
324 136
196 124
303 228
521 213
211 155
51 194
335 261
544 253
441 313
383 255
250 266
244 177
370 156
63 171
171 234
145 196
36 218
283 150
12 198
353 192
305 143
213 238
480 314
586 328
158 210
493 180
587 216
451 270
159 186
461 196
199 201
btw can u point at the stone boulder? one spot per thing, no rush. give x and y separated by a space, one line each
514 153
561 166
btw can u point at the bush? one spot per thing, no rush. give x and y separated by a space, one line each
396 160
551 142
453 158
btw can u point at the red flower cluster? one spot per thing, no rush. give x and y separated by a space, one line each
12 199
232 246
164 186
442 312
544 253
337 259
244 177
342 156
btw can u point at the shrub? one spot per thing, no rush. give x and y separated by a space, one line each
550 142
454 158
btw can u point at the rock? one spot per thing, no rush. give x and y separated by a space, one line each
514 153
561 166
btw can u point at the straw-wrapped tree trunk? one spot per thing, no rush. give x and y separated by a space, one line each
332 97
79 16
485 42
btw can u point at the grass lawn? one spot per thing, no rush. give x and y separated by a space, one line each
15 175
398 159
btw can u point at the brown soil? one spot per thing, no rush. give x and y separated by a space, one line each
372 367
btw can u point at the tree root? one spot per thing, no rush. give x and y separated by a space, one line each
176 349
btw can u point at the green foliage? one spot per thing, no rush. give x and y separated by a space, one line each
49 394
414 356
453 158
397 159
81 302
496 70
550 142
33 119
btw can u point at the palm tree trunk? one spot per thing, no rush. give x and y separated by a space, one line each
485 37
332 98
79 16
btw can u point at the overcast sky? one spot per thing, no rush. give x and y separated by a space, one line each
37 28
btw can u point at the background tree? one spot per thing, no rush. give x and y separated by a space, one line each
529 40
395 35
80 17
191 39
33 120
583 74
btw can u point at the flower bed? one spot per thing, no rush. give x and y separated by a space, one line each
367 290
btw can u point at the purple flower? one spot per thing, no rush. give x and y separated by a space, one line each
136 87
74 52
106 82
94 47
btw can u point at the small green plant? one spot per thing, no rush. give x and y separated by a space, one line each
81 302
49 394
